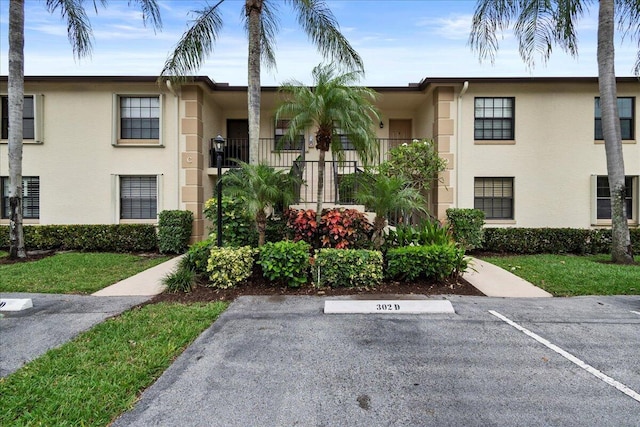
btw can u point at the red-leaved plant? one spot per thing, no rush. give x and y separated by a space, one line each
339 228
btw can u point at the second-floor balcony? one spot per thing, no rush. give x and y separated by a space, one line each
283 157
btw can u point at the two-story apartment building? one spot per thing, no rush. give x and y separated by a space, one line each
528 151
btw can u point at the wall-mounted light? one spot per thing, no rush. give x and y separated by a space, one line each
381 124
310 142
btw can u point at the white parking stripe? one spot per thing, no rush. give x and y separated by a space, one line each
635 312
593 371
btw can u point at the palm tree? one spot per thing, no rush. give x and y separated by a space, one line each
259 187
541 24
79 30
334 102
384 195
261 23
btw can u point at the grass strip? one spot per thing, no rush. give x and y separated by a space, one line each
572 275
100 374
73 272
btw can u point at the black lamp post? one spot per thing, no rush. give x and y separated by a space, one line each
219 143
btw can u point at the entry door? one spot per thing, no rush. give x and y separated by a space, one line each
399 132
237 140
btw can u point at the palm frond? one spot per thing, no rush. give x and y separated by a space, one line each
78 27
489 18
195 45
321 26
629 22
150 12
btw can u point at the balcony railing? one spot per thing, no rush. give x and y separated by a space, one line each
341 181
238 149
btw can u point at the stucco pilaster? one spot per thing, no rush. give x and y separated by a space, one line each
443 131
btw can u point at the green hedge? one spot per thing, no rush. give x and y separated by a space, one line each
347 267
285 262
466 226
174 231
88 238
409 263
552 240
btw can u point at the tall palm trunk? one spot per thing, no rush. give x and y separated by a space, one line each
320 190
16 101
254 10
621 243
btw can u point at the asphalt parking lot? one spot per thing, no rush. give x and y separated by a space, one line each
279 361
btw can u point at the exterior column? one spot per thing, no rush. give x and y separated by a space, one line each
443 132
192 159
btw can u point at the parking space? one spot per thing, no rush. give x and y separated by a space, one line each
281 361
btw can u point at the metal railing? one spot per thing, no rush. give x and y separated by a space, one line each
333 190
238 148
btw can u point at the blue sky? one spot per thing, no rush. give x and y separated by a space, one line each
400 41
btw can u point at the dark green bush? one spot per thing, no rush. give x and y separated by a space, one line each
174 231
182 279
88 238
425 262
285 262
466 226
197 257
552 240
238 226
347 267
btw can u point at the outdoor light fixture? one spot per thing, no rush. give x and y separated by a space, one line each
381 124
219 144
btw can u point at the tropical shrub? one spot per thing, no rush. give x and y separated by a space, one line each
182 279
338 228
197 257
238 225
425 262
467 226
285 262
347 267
229 267
427 232
174 231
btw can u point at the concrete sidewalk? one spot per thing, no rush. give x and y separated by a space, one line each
491 280
145 283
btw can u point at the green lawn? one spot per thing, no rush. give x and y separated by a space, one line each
100 374
570 275
73 272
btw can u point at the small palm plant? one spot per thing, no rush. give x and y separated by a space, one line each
260 187
385 194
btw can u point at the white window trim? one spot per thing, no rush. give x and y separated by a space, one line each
115 122
594 201
38 119
115 199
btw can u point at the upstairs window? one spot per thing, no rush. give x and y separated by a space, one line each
342 136
626 111
494 196
28 118
493 119
280 129
30 197
139 118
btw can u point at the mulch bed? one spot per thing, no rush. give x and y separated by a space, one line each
257 285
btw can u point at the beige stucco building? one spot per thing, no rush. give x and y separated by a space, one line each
100 150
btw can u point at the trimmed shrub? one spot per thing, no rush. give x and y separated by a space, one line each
174 231
285 262
302 225
466 226
425 262
229 267
553 240
347 267
88 238
238 227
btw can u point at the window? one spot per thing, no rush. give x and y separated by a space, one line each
139 118
603 196
138 197
626 111
493 119
494 196
342 136
280 130
30 197
28 118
